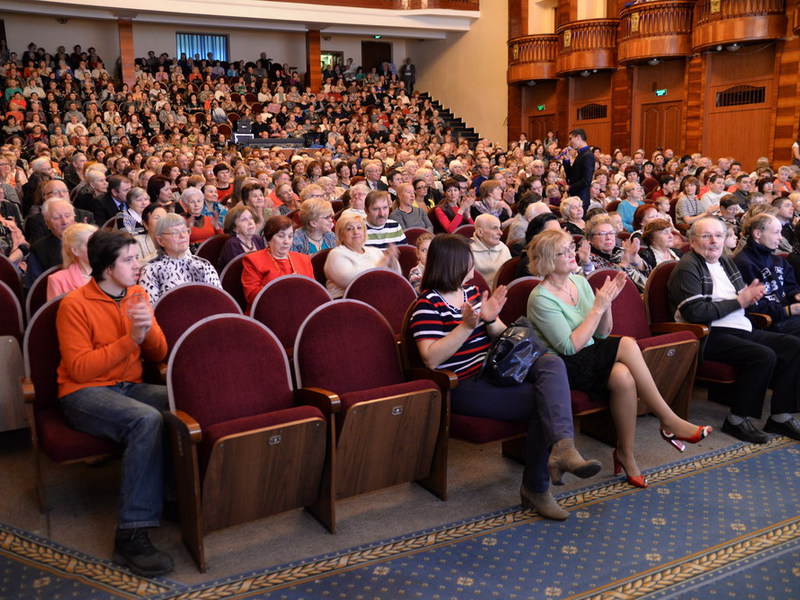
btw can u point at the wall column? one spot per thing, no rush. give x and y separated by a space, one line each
515 112
314 60
694 101
787 111
126 53
621 109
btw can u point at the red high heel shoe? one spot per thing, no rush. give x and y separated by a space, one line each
700 434
638 481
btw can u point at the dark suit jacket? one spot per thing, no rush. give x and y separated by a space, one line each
104 208
579 175
380 186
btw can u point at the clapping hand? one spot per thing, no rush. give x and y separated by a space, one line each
492 305
630 252
610 290
584 252
751 293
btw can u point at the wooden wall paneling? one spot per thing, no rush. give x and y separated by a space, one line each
314 60
660 124
787 104
564 124
126 52
536 123
539 125
694 101
621 108
648 132
517 18
595 89
515 121
566 13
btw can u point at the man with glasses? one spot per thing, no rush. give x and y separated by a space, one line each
707 288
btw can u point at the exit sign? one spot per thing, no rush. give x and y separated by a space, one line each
540 107
661 92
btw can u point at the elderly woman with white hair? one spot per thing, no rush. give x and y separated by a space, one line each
174 264
200 226
572 213
75 268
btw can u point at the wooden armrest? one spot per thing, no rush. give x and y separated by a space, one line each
27 390
192 426
328 402
760 320
446 380
700 331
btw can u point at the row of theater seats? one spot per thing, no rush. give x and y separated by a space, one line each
310 389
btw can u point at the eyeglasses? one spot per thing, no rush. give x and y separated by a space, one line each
568 252
605 233
422 186
179 232
706 237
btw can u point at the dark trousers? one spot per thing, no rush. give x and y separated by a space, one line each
543 398
762 359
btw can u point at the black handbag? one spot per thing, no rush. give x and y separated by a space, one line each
512 354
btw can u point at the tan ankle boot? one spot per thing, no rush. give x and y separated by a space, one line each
543 503
564 458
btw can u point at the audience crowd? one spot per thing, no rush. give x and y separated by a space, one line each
80 150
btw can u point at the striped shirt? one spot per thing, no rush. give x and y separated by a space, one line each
434 318
381 237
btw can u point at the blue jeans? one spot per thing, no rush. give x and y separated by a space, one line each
128 413
543 398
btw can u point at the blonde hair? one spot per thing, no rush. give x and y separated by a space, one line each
344 220
314 208
542 250
74 236
567 204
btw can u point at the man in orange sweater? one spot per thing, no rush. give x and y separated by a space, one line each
105 329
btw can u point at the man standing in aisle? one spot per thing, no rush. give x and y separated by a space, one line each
580 170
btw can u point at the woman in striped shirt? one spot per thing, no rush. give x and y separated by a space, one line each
453 325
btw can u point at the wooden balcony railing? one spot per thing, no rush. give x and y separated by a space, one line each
399 4
726 21
796 21
586 45
655 30
532 57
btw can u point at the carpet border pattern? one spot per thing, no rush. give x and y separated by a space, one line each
280 577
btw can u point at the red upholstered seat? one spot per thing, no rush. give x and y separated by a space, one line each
507 271
408 258
211 248
384 290
412 233
10 276
50 432
10 313
37 295
284 303
244 444
184 305
318 263
671 358
231 279
517 295
393 423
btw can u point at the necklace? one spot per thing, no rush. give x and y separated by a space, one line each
247 245
565 290
277 264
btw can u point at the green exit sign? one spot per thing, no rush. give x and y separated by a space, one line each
540 107
661 92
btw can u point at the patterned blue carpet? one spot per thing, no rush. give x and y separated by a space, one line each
722 525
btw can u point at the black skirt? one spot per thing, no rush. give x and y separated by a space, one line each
589 369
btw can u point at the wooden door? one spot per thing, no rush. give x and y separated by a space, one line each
661 126
373 54
539 125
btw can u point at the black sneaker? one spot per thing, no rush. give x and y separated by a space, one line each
133 549
745 431
790 428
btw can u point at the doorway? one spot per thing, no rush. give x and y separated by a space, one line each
373 54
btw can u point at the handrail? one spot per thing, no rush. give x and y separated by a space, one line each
707 11
532 49
587 35
660 18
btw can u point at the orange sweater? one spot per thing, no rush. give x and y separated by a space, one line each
96 346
